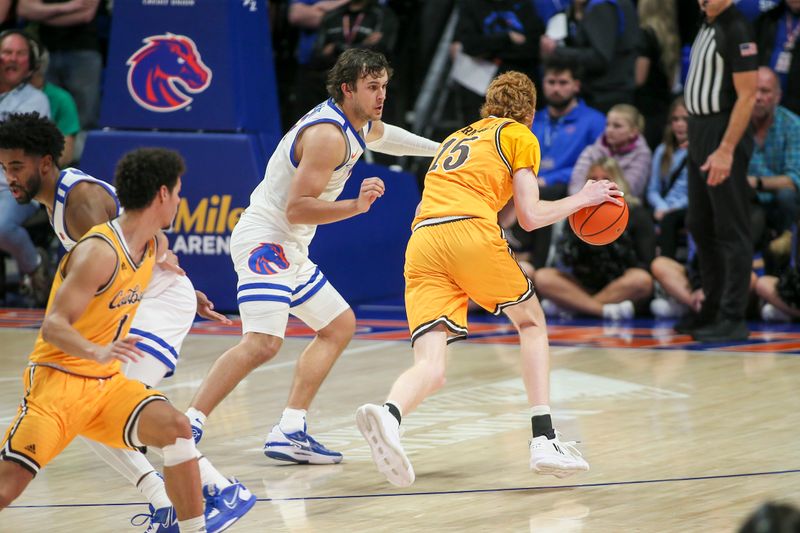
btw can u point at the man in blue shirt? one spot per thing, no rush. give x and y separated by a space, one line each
564 128
774 169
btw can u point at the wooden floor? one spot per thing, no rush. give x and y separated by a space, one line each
677 439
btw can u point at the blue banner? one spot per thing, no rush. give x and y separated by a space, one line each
191 65
362 256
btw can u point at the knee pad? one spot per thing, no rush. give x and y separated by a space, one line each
183 450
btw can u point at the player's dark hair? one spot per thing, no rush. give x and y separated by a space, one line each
141 173
353 65
33 134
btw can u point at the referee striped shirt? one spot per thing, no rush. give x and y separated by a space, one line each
723 47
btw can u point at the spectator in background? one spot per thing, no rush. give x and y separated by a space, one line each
774 170
622 140
777 34
751 9
18 61
657 66
781 294
8 16
506 32
546 9
603 40
306 16
604 281
667 190
68 29
358 24
773 517
678 286
355 24
564 128
62 109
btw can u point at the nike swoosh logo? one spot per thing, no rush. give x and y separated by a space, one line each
302 444
240 493
231 504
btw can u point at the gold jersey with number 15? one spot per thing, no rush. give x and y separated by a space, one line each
471 174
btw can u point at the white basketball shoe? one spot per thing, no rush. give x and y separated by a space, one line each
382 432
555 458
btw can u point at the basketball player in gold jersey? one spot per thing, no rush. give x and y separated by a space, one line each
457 252
73 384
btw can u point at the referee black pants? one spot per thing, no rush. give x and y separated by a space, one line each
719 220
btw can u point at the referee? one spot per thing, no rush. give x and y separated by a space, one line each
720 93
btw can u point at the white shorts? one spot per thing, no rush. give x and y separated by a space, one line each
275 281
162 322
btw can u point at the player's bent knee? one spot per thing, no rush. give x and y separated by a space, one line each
342 329
659 266
182 450
261 347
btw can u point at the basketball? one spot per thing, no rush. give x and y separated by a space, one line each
600 224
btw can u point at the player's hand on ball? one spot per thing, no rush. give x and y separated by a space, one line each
599 191
205 308
123 349
371 190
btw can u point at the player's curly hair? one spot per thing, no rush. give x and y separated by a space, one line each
510 95
353 65
33 134
141 173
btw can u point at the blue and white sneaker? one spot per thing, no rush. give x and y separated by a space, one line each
163 520
224 507
298 447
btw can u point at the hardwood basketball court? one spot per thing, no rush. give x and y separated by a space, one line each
680 437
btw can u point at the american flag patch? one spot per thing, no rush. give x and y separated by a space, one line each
748 49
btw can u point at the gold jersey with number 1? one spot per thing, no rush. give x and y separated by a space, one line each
472 173
109 313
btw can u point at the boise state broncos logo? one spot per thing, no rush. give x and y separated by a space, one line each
161 72
265 259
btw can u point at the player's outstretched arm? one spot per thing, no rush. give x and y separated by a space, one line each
91 266
532 212
321 149
392 140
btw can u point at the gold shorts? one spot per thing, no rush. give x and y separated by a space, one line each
58 406
449 263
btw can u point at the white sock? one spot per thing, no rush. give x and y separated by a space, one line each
539 410
135 467
196 416
293 420
152 487
210 475
193 525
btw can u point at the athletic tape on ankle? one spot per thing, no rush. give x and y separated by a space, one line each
183 450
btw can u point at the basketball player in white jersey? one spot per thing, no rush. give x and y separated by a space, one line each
269 246
75 201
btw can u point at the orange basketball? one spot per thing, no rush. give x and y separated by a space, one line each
600 224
